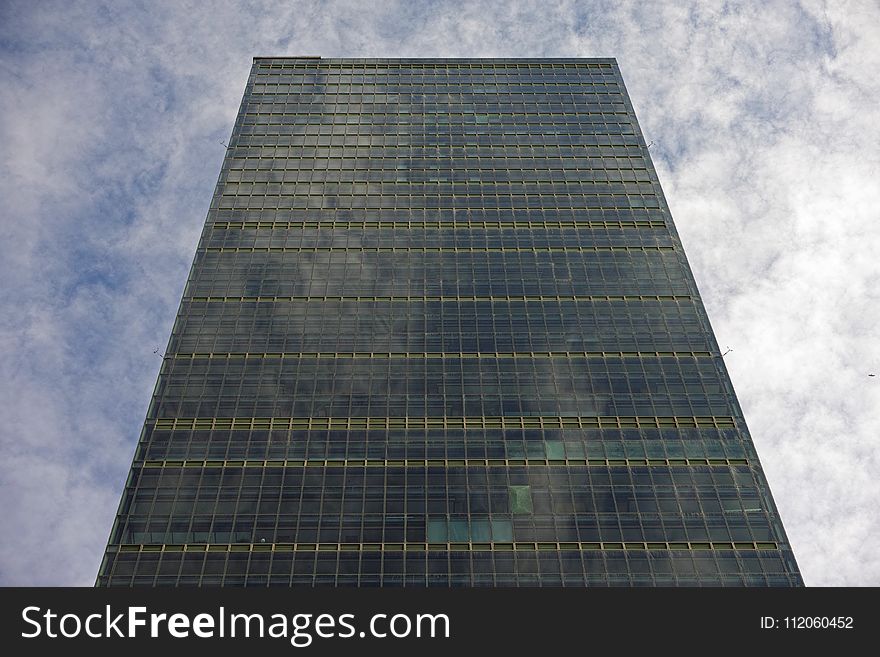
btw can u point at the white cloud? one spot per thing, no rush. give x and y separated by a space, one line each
764 119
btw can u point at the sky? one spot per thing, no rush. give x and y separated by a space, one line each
766 128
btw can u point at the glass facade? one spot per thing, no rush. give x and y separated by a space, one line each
440 331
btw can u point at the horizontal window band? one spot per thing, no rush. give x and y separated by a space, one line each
519 422
467 111
449 205
459 122
460 111
469 150
429 249
446 115
443 65
442 225
414 355
451 188
587 138
635 546
439 463
348 170
531 96
237 162
593 298
391 111
435 80
451 193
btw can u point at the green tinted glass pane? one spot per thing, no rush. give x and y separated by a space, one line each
437 530
502 531
520 499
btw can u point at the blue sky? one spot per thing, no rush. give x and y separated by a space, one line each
764 118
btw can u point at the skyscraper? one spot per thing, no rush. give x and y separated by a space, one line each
440 331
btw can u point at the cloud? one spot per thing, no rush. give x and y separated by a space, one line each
764 120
